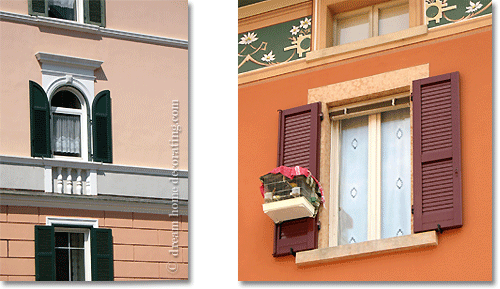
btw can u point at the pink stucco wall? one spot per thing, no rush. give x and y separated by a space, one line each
152 17
143 80
141 242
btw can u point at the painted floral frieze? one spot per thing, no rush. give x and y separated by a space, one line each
274 45
441 12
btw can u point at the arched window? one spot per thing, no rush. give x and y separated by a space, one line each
67 129
61 124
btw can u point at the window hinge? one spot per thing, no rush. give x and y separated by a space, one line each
411 96
321 116
412 211
319 225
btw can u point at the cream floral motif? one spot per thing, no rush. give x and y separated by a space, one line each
295 30
268 57
305 23
248 38
474 6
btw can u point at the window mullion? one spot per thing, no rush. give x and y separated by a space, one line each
374 21
374 176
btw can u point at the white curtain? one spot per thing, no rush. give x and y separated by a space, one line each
354 181
396 174
63 3
66 132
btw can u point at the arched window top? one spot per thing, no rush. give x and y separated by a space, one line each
65 98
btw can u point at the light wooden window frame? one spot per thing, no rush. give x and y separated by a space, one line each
374 163
324 12
373 18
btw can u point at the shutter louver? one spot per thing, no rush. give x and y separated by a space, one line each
39 121
45 256
436 160
102 254
95 12
101 127
38 7
298 145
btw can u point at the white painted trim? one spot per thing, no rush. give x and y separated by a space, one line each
48 180
374 175
65 60
93 29
334 183
49 221
77 164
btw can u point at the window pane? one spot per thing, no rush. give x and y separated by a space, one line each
65 98
354 181
77 265
62 9
66 134
396 173
62 264
353 29
393 19
76 240
61 239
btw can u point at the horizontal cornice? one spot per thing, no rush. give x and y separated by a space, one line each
93 29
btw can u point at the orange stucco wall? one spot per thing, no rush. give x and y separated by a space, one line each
462 254
143 80
141 242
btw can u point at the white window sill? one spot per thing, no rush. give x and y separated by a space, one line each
375 247
367 43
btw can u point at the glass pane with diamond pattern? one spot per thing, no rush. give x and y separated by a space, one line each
353 181
396 173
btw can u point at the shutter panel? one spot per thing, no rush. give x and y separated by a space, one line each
299 137
101 127
298 145
38 7
95 12
102 254
436 153
45 255
39 121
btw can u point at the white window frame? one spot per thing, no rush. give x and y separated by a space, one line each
67 223
78 13
374 165
82 112
373 16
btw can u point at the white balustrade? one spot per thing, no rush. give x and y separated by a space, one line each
71 181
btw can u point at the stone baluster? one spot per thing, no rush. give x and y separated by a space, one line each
69 183
59 182
78 188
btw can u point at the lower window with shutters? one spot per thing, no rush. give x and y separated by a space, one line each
395 169
65 253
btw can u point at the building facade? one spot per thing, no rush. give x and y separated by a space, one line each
93 140
389 105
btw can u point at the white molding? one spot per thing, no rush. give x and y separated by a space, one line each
97 203
65 60
49 221
93 29
76 164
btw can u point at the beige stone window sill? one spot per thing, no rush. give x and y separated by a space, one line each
368 248
366 43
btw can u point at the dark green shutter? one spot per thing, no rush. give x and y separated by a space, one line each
95 12
45 256
40 121
101 127
102 254
38 7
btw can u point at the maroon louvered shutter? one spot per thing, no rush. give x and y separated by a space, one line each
298 145
299 137
436 153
